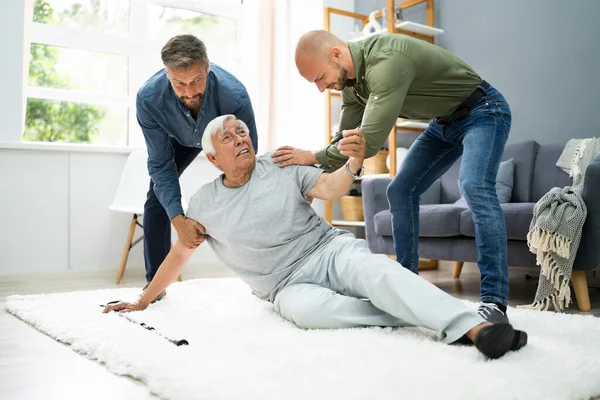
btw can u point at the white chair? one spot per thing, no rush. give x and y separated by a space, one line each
130 198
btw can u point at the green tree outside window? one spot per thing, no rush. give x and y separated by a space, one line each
51 120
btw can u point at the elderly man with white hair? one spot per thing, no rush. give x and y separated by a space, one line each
257 219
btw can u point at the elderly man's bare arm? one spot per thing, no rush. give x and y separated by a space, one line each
169 270
335 185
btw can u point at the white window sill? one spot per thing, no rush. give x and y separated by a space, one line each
72 148
66 147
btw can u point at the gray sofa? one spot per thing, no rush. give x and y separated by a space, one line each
447 231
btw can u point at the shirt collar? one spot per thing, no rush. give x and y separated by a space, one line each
358 59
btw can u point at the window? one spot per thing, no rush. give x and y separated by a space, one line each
88 58
219 34
106 16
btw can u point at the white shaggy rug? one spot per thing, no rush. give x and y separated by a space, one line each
241 349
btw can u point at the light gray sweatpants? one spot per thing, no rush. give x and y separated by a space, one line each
344 285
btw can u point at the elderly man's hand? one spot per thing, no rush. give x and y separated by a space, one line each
287 155
190 232
123 306
353 146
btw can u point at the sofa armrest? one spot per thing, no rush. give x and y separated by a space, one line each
375 200
588 255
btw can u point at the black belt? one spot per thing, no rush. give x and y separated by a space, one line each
467 104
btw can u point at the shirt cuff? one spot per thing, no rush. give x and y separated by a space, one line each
323 159
174 210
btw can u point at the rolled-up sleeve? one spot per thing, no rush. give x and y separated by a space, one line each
352 111
161 162
388 91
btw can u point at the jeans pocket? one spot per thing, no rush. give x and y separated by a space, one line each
500 107
479 107
501 111
484 102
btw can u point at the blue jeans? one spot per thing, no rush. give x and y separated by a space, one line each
480 139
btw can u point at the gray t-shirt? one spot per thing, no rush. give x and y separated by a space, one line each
264 230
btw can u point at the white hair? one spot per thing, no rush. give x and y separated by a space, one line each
216 127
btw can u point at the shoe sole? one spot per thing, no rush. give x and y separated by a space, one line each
496 340
519 340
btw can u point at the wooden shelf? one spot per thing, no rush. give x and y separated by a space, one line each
386 175
414 27
341 222
412 124
419 28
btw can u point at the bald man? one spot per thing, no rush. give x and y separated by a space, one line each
386 76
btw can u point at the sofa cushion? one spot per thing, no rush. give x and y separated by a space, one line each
435 220
523 155
546 174
517 215
504 184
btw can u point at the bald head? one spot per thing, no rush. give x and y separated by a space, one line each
316 44
324 59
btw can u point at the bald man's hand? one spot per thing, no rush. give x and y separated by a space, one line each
287 155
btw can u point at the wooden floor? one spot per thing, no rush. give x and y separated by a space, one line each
34 366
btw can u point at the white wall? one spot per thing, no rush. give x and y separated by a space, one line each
299 117
54 211
299 108
34 211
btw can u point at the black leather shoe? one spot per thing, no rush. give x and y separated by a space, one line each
496 340
519 340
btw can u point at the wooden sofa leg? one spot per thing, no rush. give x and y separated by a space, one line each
581 290
125 255
457 269
424 265
427 265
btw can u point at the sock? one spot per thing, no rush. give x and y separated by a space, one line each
502 307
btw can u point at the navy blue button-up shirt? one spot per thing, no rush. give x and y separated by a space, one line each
161 116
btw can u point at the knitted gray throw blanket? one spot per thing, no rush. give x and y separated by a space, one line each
555 230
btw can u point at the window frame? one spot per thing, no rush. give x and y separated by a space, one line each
134 45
